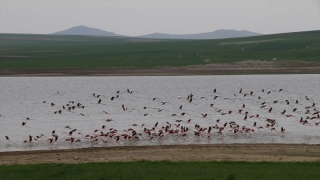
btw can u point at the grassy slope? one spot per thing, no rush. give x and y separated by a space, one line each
165 170
48 51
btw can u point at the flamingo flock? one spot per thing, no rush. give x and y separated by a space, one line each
176 117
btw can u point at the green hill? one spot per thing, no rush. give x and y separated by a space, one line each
25 51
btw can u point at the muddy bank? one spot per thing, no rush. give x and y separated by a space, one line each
157 71
233 152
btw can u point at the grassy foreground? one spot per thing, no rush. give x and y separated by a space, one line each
23 51
165 170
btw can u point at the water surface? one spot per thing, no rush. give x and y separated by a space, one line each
23 97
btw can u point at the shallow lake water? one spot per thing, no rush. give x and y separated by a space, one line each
31 97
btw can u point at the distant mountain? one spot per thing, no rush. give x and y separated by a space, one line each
86 31
218 34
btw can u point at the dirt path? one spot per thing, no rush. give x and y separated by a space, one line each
239 152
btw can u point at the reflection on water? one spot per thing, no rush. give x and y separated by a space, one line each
23 97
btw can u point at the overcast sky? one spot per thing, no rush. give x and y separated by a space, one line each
139 17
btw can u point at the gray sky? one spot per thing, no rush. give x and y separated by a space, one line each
139 17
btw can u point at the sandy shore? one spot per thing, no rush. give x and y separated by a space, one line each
234 152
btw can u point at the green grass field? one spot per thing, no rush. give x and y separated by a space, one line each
165 170
21 51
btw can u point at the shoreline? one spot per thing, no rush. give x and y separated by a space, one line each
192 152
171 71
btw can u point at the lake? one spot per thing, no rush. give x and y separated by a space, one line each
151 99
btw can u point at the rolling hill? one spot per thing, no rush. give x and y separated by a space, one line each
25 51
